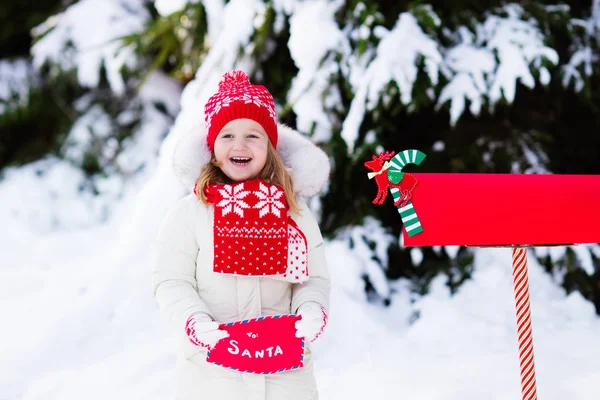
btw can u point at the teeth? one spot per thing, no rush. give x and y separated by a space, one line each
241 159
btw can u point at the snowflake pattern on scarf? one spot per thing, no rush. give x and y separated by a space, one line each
270 200
253 234
233 199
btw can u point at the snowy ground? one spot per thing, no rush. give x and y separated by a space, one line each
79 321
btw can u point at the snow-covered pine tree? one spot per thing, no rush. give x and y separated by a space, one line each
84 113
479 86
26 121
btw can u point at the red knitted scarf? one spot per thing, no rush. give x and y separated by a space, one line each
250 231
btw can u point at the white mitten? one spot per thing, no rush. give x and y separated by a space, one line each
313 321
203 331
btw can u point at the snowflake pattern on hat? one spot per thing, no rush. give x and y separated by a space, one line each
238 98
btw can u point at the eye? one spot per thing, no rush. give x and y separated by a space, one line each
253 136
226 136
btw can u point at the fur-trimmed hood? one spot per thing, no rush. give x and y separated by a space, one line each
309 165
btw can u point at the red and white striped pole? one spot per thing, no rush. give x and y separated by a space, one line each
525 338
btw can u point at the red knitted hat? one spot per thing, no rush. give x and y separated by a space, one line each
238 98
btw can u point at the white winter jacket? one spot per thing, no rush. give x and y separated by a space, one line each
184 283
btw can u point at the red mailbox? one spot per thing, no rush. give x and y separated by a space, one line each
506 209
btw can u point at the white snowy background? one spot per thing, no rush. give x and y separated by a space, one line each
78 320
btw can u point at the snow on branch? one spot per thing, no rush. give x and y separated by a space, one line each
467 66
168 7
229 49
312 50
396 59
369 245
584 56
488 63
16 79
86 36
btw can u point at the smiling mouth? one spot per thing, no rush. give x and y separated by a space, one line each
240 160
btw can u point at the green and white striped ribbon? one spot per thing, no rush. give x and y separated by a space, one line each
400 160
408 215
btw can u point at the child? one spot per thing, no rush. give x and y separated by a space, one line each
243 180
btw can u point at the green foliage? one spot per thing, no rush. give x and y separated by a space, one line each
174 43
357 14
574 277
17 18
456 270
30 131
270 49
41 126
549 123
96 159
30 127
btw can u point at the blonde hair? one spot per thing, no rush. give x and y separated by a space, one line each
274 172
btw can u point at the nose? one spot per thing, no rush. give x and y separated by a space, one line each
239 142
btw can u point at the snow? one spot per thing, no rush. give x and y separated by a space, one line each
79 320
535 157
461 347
416 256
161 89
16 78
581 57
57 201
168 7
139 151
487 64
371 72
584 256
452 251
595 18
85 37
308 48
284 6
438 146
102 337
584 58
469 65
236 22
583 253
60 196
94 125
369 243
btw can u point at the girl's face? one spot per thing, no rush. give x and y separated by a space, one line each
241 149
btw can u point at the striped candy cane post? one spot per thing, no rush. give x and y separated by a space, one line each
408 215
525 339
